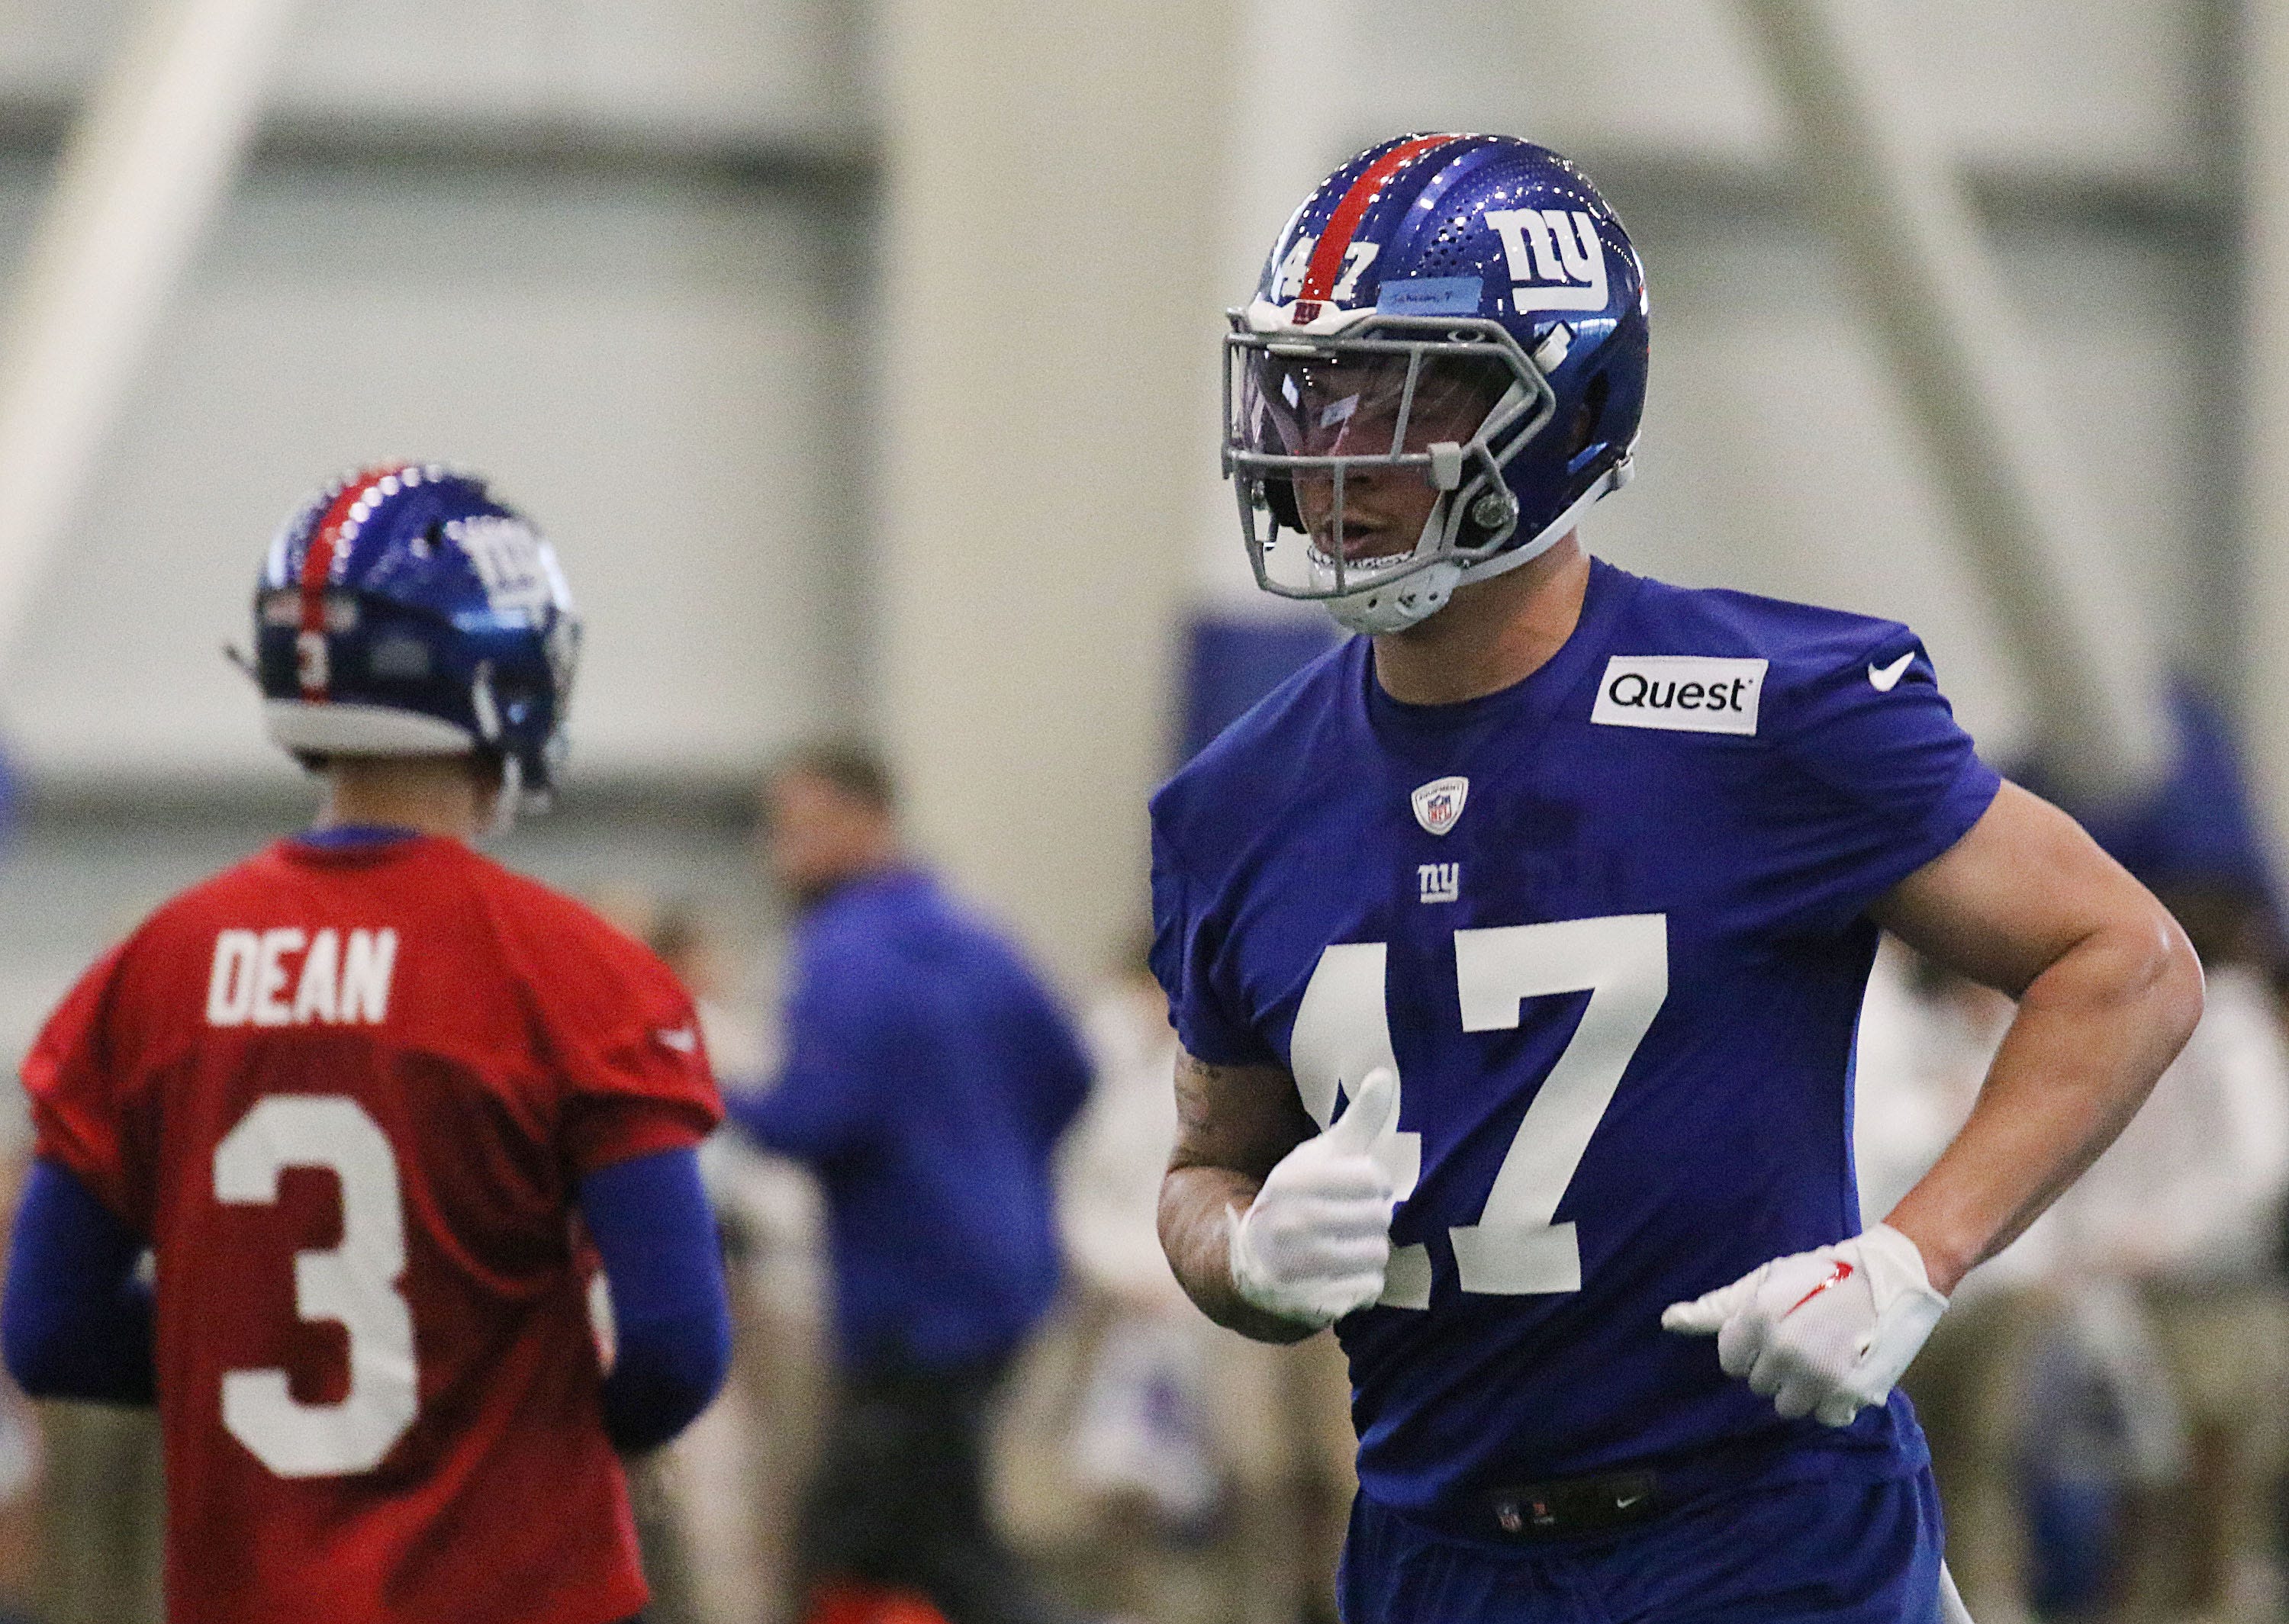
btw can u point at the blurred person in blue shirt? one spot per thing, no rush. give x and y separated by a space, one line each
928 1075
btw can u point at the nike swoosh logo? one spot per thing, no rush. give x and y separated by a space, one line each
1623 1504
1884 678
1836 1277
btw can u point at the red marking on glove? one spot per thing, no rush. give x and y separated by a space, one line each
1836 1277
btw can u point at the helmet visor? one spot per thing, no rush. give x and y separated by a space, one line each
1371 447
1378 404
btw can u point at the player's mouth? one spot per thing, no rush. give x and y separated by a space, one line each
1366 541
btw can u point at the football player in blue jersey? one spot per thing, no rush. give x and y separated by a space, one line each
1517 946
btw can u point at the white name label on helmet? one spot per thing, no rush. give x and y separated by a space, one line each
1686 693
1556 259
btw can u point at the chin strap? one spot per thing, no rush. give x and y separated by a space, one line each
1412 598
504 803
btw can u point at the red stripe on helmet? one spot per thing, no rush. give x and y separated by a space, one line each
318 564
1327 261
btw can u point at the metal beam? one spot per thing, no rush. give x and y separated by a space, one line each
137 181
1898 207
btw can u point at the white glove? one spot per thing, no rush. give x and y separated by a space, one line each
1313 1243
1821 1332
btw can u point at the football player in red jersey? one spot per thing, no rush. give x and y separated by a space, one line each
368 1097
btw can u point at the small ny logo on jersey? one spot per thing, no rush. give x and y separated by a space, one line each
1557 260
1441 882
1440 802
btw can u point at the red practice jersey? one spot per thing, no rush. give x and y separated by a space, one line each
348 1093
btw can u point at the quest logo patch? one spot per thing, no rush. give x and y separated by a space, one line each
1686 693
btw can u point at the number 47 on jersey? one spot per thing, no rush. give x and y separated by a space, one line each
1342 1031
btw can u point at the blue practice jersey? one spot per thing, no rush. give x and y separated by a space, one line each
1608 928
928 1073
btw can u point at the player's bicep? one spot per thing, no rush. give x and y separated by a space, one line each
1241 1118
2018 891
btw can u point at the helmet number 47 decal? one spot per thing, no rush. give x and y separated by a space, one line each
1556 261
1293 268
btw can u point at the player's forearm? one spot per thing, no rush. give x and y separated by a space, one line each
2094 1033
650 1220
76 1323
1195 1233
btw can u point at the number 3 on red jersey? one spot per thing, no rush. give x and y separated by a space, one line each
354 1284
1342 1031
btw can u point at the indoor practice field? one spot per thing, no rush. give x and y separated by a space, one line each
1220 812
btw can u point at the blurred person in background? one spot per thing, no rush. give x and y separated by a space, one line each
29 1487
352 1094
2154 1283
2183 1208
735 1473
2153 1277
927 1076
2183 1215
713 1507
1218 1469
1140 1448
2186 1208
1926 1038
1599 863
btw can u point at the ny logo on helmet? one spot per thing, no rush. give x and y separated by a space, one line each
1556 259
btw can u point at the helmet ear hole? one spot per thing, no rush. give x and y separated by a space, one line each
1588 415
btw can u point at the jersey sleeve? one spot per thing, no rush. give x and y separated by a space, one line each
1057 1072
845 1023
626 1040
75 1079
1884 778
1188 960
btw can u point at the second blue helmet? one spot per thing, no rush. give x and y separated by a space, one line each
404 612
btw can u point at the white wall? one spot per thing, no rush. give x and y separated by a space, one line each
1048 218
1778 455
661 369
645 340
2072 87
670 371
674 369
684 69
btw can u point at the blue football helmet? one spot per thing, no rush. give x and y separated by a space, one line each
1460 312
403 611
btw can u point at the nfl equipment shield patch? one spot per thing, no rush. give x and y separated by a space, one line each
1440 802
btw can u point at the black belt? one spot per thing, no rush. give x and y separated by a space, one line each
1571 1507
